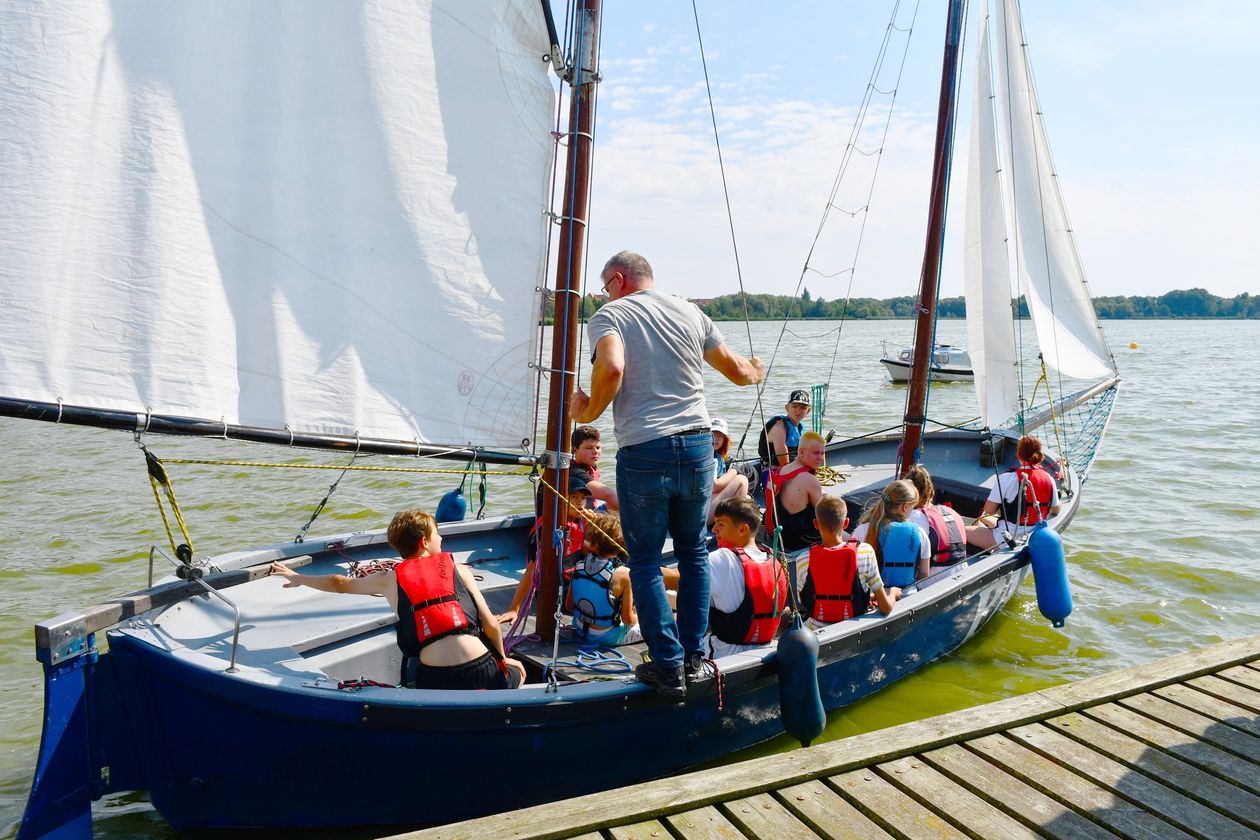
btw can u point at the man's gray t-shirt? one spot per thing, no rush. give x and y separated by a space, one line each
662 389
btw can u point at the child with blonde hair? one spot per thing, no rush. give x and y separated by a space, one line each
900 545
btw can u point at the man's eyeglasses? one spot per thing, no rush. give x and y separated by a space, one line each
605 281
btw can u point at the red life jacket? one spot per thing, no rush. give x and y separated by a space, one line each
756 619
1038 488
946 536
432 602
832 590
778 479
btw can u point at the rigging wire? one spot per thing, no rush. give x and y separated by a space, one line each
851 148
759 407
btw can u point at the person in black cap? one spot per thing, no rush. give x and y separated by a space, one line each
783 431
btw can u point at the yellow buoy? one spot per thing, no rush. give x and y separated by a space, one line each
1132 345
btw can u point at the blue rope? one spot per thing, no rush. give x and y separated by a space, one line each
597 659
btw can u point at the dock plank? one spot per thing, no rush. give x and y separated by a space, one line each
1205 704
1181 694
705 823
1221 734
952 800
1051 817
1098 803
761 815
1189 746
646 830
1136 787
1226 690
1167 769
886 804
829 814
1242 675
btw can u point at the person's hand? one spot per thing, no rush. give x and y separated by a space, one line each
579 402
894 592
506 617
516 666
284 571
759 370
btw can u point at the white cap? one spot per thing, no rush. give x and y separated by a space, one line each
719 425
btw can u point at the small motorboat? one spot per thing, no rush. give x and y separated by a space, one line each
949 364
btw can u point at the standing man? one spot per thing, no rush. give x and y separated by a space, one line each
647 362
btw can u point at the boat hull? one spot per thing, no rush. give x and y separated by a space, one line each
216 751
900 372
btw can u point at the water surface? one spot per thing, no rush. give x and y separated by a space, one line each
1162 554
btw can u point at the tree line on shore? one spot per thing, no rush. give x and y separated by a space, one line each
1182 303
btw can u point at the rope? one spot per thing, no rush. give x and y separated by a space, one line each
158 477
582 512
598 660
730 219
323 503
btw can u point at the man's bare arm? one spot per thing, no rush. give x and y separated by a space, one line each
733 366
606 374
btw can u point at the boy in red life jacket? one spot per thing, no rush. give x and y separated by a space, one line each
748 588
444 625
587 449
575 524
839 579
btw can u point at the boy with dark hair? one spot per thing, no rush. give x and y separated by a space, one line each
749 588
839 579
586 445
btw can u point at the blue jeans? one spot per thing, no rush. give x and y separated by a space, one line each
663 487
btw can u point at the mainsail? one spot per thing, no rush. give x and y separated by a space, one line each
990 334
265 216
1053 281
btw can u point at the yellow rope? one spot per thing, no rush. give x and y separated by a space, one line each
828 477
523 471
585 515
1054 421
175 511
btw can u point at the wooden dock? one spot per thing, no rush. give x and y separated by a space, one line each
1169 749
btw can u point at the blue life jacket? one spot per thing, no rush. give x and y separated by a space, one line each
899 545
792 438
720 466
593 601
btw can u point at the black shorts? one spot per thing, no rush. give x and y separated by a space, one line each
482 672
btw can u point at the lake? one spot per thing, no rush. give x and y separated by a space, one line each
1162 554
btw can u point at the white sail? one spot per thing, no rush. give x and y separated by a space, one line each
986 262
1053 281
277 214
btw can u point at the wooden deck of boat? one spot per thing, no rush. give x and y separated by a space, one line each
1167 749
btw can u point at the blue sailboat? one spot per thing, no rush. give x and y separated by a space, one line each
214 187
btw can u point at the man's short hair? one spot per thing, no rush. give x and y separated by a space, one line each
408 528
630 264
581 434
831 511
812 437
740 509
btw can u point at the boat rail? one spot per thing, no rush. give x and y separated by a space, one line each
66 636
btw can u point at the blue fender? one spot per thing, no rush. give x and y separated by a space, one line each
452 507
799 699
1054 595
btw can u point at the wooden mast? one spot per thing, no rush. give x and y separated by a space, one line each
584 75
929 281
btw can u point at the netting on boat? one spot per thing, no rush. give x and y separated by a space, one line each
1073 425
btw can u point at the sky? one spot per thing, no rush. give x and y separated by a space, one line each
1150 109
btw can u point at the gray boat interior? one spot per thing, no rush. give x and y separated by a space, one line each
321 639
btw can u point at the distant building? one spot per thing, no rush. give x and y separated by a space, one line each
701 301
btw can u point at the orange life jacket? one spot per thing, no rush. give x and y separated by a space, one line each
832 590
756 619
